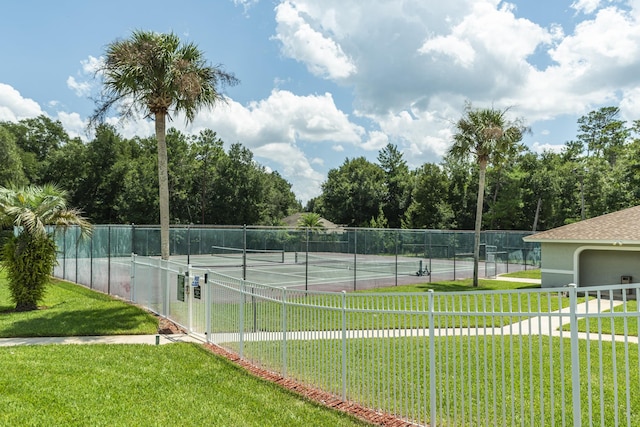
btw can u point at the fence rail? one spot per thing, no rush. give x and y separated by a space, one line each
557 357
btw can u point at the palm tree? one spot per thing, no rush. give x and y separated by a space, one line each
488 136
310 220
30 256
155 74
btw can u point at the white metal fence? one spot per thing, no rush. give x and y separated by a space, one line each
563 357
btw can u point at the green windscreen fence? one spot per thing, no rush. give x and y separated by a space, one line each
323 259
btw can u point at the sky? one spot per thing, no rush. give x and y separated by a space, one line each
323 81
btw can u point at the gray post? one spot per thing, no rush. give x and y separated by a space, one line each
344 345
284 332
306 264
244 252
575 356
432 359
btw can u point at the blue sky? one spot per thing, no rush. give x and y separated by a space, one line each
326 80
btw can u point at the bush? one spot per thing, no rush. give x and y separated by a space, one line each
29 261
5 234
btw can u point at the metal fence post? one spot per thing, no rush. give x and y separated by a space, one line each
164 284
133 277
189 285
355 257
575 360
396 260
306 262
207 306
284 332
344 345
64 254
241 314
432 359
109 260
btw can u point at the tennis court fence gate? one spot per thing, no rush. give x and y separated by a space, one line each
566 356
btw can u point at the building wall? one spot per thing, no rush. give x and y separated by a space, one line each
607 266
557 264
588 264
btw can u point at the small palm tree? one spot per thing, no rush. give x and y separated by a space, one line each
310 220
489 137
155 74
30 256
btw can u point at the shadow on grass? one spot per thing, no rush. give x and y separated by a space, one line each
58 322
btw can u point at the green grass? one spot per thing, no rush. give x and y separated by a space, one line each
127 385
378 309
465 285
612 325
525 274
537 376
73 310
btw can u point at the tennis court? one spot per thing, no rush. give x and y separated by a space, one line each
325 271
336 259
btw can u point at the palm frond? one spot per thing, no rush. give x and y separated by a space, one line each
153 73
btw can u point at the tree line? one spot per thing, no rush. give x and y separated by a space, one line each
596 173
114 180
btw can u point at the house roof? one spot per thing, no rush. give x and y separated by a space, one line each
616 228
292 221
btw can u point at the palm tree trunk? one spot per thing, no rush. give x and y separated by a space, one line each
476 243
163 184
535 218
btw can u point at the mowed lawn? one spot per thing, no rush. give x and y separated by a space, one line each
144 385
126 385
72 310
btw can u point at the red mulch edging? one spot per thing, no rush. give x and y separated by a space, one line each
315 395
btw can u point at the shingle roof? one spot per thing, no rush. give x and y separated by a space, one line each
617 227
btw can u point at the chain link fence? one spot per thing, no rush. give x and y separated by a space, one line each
321 259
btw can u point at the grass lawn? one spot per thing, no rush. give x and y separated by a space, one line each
465 285
127 385
536 374
525 274
73 310
384 308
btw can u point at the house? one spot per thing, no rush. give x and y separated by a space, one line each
597 251
292 221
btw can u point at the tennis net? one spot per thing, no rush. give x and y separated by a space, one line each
408 267
262 255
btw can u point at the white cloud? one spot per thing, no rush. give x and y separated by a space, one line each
85 83
541 148
273 127
73 124
246 4
322 55
630 104
91 65
80 88
14 107
296 168
135 127
585 6
377 140
460 50
282 117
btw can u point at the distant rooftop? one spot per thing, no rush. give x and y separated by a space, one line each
292 221
616 227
